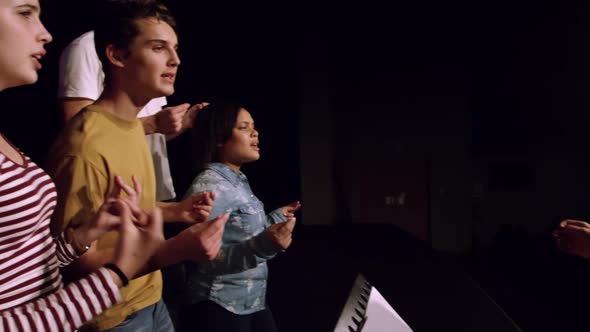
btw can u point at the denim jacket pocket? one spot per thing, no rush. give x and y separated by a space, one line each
250 215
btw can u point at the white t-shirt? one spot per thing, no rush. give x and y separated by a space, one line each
81 76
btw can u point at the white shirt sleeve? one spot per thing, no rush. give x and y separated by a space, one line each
153 106
80 70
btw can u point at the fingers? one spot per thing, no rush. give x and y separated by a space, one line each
573 238
131 192
214 248
116 192
572 230
139 217
211 228
108 217
295 206
284 236
199 215
136 186
191 114
572 222
285 229
123 213
292 207
177 114
290 225
209 235
170 119
209 198
202 205
114 205
202 209
215 227
219 222
178 109
149 220
204 198
154 220
198 106
203 202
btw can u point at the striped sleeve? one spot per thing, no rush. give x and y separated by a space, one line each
65 252
67 308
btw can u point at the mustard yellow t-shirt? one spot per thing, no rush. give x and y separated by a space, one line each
93 148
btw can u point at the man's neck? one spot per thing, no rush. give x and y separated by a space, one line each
120 104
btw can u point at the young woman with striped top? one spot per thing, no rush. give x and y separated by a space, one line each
32 296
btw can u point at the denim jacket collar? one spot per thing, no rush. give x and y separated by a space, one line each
229 174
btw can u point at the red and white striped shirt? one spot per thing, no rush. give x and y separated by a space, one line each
32 296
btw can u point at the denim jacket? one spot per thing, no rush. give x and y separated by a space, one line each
236 279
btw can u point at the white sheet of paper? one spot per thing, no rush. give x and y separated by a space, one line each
382 317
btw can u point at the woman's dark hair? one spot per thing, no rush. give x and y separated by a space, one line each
213 126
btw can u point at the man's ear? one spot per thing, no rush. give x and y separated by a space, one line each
115 55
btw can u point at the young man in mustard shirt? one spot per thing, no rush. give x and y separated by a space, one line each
137 45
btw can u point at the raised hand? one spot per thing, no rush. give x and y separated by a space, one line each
107 217
169 121
104 220
290 209
195 209
138 240
281 234
191 114
133 194
198 243
573 237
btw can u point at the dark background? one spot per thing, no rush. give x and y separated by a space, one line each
503 84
